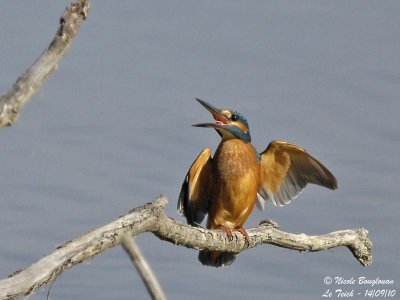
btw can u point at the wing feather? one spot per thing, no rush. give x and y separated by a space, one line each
194 197
286 169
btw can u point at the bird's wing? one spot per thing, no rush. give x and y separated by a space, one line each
196 189
285 171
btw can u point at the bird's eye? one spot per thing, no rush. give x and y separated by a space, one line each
234 117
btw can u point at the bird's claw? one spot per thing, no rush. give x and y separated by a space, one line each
245 235
230 235
227 231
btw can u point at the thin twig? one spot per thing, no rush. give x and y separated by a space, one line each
143 268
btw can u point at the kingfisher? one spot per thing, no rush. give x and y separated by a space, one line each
227 186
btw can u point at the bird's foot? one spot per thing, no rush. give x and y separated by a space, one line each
227 231
270 223
239 229
245 235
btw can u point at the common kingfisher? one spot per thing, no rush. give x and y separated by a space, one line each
227 186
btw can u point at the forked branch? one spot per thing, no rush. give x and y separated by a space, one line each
152 218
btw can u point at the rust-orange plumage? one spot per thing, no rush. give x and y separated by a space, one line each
227 186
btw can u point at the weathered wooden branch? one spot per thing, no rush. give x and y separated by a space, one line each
143 268
152 218
33 78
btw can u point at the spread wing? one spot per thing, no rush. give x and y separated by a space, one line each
286 169
196 189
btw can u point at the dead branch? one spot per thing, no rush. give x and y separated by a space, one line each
143 268
33 78
152 218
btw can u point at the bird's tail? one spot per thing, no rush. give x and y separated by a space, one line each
216 259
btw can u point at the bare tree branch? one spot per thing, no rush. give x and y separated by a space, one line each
33 78
143 268
152 218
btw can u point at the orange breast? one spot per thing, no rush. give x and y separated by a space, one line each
236 174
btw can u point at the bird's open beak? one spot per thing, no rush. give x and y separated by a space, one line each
220 119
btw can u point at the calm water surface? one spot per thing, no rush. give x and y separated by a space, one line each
111 130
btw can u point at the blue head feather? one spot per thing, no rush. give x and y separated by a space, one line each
237 131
